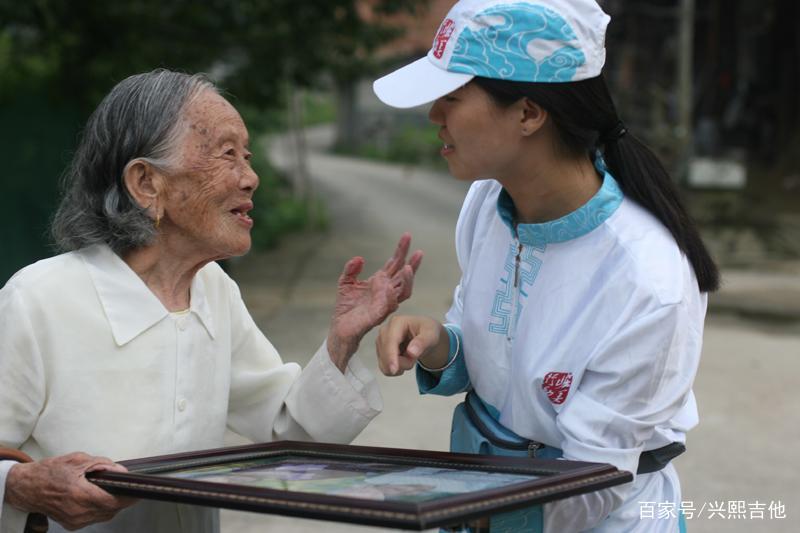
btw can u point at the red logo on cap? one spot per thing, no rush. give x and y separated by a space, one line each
557 385
440 42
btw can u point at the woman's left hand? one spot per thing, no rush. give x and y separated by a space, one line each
362 305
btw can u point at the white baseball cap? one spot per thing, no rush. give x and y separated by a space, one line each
548 41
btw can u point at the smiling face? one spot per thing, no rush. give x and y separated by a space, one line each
481 139
207 199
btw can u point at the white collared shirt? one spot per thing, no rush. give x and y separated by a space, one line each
91 361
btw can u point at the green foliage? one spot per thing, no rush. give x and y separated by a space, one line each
34 143
79 49
410 144
58 58
277 211
319 108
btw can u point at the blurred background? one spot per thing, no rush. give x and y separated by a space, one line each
712 86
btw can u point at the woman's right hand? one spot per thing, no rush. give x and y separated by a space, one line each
403 340
57 487
363 305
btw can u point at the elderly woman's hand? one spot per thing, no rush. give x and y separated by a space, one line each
362 305
57 487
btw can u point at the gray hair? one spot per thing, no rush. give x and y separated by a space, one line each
139 120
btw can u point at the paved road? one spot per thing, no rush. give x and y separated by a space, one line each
743 450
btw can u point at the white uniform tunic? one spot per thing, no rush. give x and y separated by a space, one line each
91 361
583 333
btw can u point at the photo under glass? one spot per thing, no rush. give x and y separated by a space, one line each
367 480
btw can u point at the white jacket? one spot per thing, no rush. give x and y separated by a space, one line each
91 361
583 333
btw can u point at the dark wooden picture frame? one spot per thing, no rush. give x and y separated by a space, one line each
520 482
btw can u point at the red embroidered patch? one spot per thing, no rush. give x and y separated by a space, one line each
442 36
557 385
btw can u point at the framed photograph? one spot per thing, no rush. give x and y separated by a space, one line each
389 487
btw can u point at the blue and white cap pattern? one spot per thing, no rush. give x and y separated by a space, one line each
545 41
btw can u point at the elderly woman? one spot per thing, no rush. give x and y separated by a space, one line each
135 342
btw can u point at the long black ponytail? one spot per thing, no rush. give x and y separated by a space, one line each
585 119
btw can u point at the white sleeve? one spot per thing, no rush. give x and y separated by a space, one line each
636 380
331 406
12 520
21 390
273 400
22 385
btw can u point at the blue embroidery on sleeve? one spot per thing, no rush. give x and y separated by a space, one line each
454 379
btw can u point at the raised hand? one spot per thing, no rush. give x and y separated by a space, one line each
57 487
363 304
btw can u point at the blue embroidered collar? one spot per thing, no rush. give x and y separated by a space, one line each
571 226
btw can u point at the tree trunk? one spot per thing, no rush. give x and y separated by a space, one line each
346 115
301 183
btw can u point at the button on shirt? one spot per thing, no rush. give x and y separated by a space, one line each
91 361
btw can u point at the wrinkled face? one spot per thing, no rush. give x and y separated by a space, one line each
481 139
207 199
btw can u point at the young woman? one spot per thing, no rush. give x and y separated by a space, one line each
576 328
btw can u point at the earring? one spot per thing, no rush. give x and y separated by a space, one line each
158 221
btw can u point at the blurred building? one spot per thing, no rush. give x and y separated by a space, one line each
746 74
418 29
